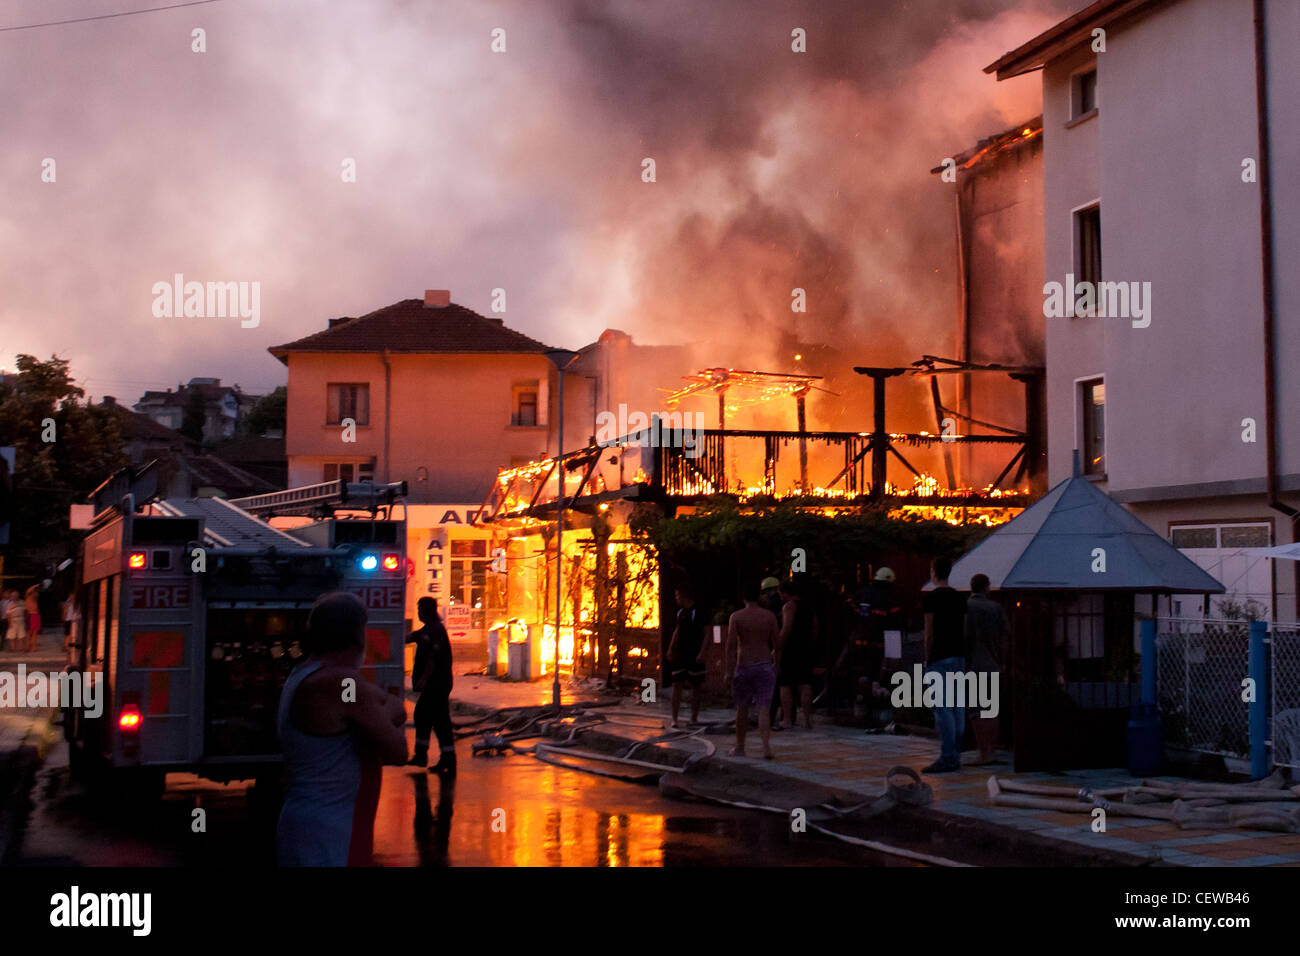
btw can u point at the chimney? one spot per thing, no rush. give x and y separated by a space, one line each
437 298
109 400
339 321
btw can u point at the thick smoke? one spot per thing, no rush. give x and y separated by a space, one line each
779 170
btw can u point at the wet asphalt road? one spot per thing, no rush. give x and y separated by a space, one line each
500 811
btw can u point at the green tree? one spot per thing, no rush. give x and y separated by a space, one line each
194 416
64 449
267 414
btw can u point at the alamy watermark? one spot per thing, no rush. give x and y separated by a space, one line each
77 909
946 689
52 689
657 430
211 300
1105 300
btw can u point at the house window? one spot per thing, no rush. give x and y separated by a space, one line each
335 470
1087 244
347 400
1084 93
349 471
1093 408
524 411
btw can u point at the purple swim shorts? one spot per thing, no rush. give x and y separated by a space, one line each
753 685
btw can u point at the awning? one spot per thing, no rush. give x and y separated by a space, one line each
1288 552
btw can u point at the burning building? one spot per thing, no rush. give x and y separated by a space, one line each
607 582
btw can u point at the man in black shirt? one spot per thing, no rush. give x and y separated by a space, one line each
945 653
686 651
431 677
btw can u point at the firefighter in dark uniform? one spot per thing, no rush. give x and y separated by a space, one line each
431 678
879 611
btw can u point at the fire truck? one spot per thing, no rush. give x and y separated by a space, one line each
194 612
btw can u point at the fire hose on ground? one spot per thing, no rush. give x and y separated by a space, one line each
912 792
530 722
1261 805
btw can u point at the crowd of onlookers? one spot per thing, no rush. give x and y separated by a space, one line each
21 617
778 649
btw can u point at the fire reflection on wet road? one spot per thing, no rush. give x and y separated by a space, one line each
516 811
501 811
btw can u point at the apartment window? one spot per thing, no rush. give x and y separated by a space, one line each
1084 93
1087 244
524 404
1093 408
347 400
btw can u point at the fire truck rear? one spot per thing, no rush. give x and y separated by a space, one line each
194 613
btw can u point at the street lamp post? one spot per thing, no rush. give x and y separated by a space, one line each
562 358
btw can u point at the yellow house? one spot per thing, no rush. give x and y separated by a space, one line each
434 394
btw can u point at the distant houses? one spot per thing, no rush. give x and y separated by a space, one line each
222 406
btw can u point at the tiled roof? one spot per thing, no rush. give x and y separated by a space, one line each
179 397
211 471
409 326
137 427
239 451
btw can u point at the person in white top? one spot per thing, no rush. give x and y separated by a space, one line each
16 615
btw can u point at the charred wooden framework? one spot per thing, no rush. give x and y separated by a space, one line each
681 475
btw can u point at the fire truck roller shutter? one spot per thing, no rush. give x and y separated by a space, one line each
154 651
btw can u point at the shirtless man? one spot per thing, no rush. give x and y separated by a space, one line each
753 632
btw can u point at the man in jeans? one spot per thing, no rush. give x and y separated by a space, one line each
945 653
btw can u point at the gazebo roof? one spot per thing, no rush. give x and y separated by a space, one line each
1050 547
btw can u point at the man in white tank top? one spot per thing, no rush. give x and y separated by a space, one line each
337 730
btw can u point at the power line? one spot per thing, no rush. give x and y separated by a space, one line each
107 16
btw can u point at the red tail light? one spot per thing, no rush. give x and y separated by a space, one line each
129 720
137 559
392 562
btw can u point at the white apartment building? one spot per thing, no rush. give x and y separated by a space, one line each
1171 137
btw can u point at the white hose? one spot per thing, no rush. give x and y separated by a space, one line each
856 841
592 755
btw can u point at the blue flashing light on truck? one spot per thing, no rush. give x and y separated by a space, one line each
193 614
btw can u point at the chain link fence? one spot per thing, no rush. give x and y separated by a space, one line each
1200 665
1284 653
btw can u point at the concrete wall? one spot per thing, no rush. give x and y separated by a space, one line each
1005 210
1071 179
1002 201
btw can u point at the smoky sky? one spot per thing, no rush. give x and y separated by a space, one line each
478 170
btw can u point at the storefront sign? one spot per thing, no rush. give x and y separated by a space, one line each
458 619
